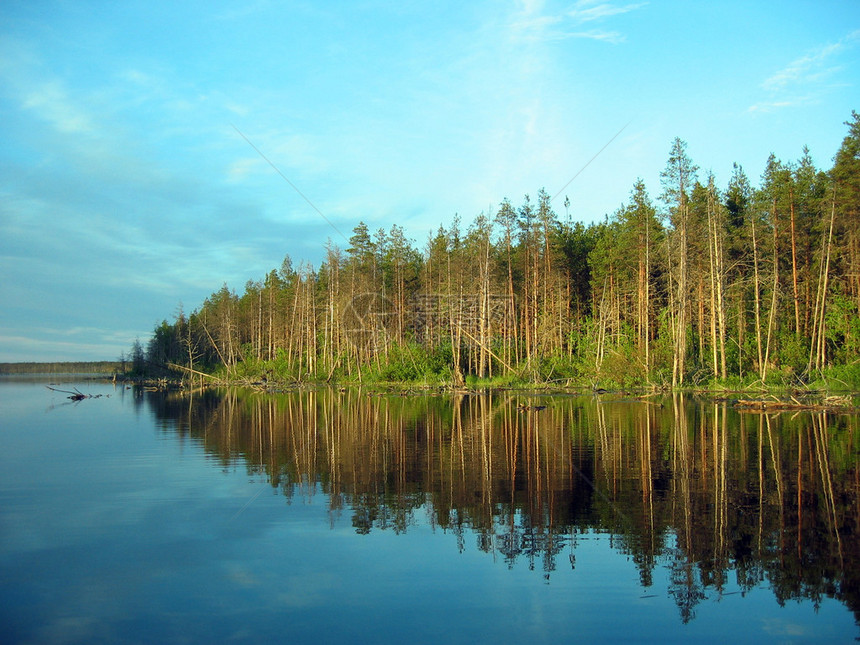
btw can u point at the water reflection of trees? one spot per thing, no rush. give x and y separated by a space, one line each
699 489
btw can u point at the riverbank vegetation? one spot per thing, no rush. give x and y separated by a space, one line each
732 286
60 367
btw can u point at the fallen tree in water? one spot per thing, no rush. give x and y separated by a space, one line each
828 404
77 395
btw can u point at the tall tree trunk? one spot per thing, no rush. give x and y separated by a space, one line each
678 361
647 301
718 315
817 349
761 369
794 266
771 319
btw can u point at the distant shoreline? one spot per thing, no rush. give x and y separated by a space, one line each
62 367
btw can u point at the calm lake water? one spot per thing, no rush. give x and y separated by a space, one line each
329 517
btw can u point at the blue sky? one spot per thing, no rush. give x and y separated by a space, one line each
128 189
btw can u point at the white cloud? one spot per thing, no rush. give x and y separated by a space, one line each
590 10
771 106
48 345
806 69
806 77
51 103
236 108
241 168
613 37
534 23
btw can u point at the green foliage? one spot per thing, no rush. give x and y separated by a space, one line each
842 322
506 380
412 363
282 368
138 359
249 367
661 351
559 368
793 354
843 377
576 243
846 170
623 364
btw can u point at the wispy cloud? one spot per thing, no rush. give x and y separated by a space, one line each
591 10
770 106
613 37
807 69
51 102
804 79
49 344
534 22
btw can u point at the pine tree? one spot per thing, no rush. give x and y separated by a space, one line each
846 179
678 179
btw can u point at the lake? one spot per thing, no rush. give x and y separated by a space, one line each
331 516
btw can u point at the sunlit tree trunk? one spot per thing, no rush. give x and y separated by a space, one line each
757 297
774 294
717 280
794 265
817 350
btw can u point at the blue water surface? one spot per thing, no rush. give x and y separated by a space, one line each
115 531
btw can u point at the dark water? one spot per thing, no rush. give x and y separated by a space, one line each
330 516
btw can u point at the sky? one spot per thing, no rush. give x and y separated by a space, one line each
151 152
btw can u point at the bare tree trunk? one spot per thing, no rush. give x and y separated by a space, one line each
673 322
601 331
270 349
817 349
681 321
761 368
647 302
713 316
455 324
774 292
742 326
718 316
794 266
700 293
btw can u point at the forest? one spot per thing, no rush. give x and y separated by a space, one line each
63 367
699 286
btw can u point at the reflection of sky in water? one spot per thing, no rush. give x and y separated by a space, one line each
113 531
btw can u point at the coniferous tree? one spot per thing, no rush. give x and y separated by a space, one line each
846 179
678 180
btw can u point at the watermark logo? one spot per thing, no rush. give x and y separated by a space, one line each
367 317
467 310
370 318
